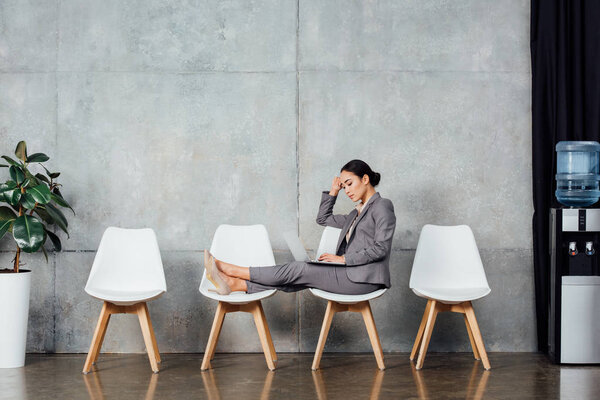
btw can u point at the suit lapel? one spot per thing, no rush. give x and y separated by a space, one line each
351 216
363 213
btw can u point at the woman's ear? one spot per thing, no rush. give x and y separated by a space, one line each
365 179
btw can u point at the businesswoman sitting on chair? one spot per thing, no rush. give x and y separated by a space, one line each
364 246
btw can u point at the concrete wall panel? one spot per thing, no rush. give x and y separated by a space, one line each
183 115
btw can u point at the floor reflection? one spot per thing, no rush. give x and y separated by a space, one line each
211 385
475 388
579 382
12 383
321 389
93 384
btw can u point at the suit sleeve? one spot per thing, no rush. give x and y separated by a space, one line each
385 224
325 217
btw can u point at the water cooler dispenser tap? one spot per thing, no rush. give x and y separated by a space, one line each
589 248
573 249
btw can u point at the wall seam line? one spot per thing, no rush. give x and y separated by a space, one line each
54 305
298 296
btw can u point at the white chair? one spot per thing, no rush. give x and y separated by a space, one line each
245 246
342 302
448 272
127 272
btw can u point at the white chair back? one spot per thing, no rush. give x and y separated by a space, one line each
127 260
244 245
329 240
447 257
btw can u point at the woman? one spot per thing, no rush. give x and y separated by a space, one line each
364 246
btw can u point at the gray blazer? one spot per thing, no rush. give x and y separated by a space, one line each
368 252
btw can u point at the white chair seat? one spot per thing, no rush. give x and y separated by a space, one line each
347 298
124 297
206 288
452 295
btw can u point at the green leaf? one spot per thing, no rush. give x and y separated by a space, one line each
58 199
13 197
58 217
16 197
45 253
10 160
43 214
21 150
17 174
7 187
37 157
34 181
3 165
5 227
40 193
10 192
55 241
28 201
28 232
42 177
54 175
7 217
6 214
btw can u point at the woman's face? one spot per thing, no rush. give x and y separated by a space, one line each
354 186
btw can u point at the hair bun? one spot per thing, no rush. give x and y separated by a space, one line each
376 178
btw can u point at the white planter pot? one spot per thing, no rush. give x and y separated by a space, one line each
14 312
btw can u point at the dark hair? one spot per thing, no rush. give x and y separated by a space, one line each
360 169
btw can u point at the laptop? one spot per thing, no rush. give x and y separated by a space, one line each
299 251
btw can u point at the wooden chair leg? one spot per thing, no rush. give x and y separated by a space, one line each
214 336
101 340
269 338
470 313
97 338
427 334
367 315
473 344
212 356
329 313
146 325
262 334
419 337
153 336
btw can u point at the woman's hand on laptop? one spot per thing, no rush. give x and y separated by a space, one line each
332 258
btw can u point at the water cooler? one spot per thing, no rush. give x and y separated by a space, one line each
574 325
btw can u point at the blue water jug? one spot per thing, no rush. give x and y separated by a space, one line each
577 175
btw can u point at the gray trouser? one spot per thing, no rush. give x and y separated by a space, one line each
299 275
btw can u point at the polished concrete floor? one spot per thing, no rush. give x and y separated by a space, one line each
342 376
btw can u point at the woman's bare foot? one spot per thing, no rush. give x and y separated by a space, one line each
235 284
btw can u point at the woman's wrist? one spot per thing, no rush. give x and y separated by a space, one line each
333 192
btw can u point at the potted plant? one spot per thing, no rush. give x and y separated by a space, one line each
30 212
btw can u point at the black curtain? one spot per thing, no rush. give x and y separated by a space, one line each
565 66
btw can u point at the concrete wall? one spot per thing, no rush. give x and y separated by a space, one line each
183 115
